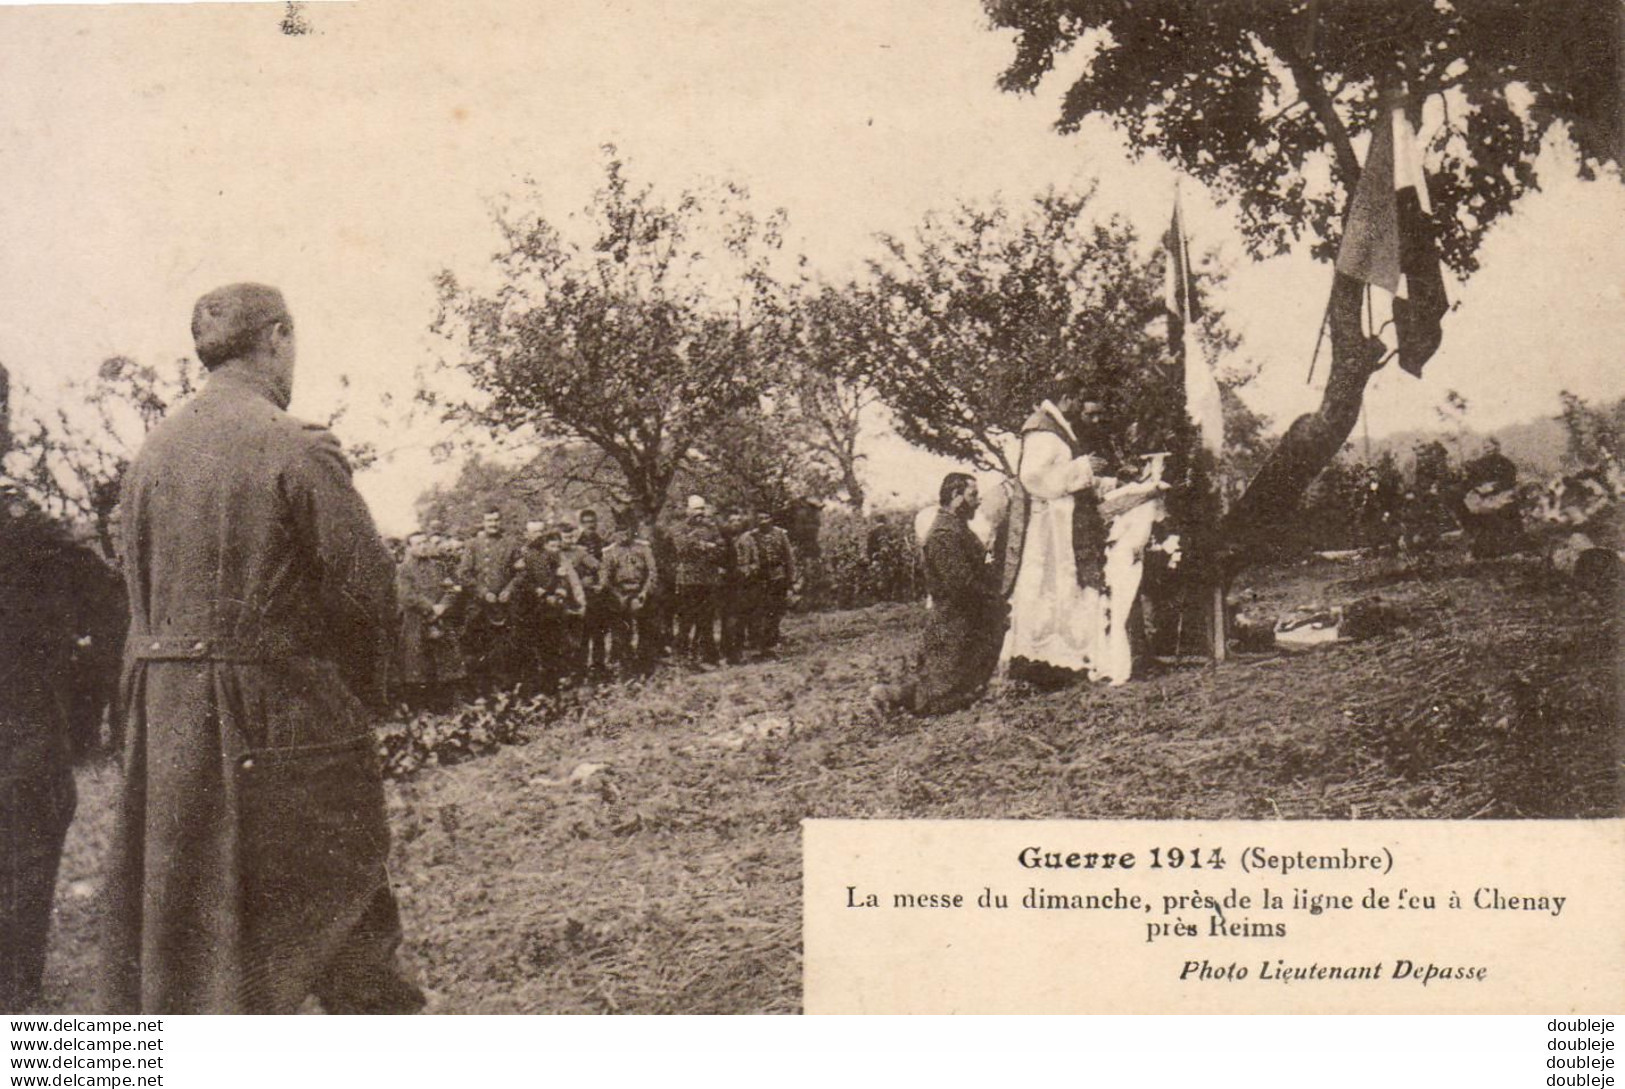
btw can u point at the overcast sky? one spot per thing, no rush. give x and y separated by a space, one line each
150 153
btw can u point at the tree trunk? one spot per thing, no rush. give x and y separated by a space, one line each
5 411
646 500
1313 439
854 488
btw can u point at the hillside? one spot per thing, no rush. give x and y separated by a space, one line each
640 852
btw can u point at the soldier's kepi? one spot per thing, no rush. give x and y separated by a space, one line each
248 861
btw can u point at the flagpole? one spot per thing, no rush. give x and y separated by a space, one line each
1209 593
1320 336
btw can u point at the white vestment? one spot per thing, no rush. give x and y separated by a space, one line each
1052 618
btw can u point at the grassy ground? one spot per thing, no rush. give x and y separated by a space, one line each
640 853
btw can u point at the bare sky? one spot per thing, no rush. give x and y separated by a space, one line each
150 153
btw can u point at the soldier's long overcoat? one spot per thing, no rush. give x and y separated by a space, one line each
248 862
58 605
429 653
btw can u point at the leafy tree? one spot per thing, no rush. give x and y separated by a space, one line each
825 380
1246 443
988 309
639 339
482 485
5 411
562 479
799 441
73 465
832 411
1592 435
760 458
1262 103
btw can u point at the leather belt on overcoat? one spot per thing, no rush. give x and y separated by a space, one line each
180 648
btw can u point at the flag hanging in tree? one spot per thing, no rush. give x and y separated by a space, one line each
1388 239
1201 388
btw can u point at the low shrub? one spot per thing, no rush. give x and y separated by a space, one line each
865 559
431 738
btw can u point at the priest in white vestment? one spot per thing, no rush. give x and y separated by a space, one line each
1054 620
1059 616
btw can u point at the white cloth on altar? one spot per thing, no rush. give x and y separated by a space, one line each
1126 539
1052 618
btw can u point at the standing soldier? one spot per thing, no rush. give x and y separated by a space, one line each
629 575
486 575
1379 503
445 553
1491 512
586 567
587 535
699 551
594 622
664 601
547 595
776 580
431 664
737 595
247 871
57 600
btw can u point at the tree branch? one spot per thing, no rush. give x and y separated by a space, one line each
1315 94
1282 112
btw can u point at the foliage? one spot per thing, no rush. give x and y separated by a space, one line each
640 339
1249 98
989 309
432 738
1262 103
5 410
74 469
553 486
748 461
1246 443
294 23
1452 414
825 379
73 463
866 560
799 441
1593 434
760 458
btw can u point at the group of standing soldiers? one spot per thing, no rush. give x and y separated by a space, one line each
563 604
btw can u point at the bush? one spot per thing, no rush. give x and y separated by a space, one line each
865 559
1355 505
427 738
